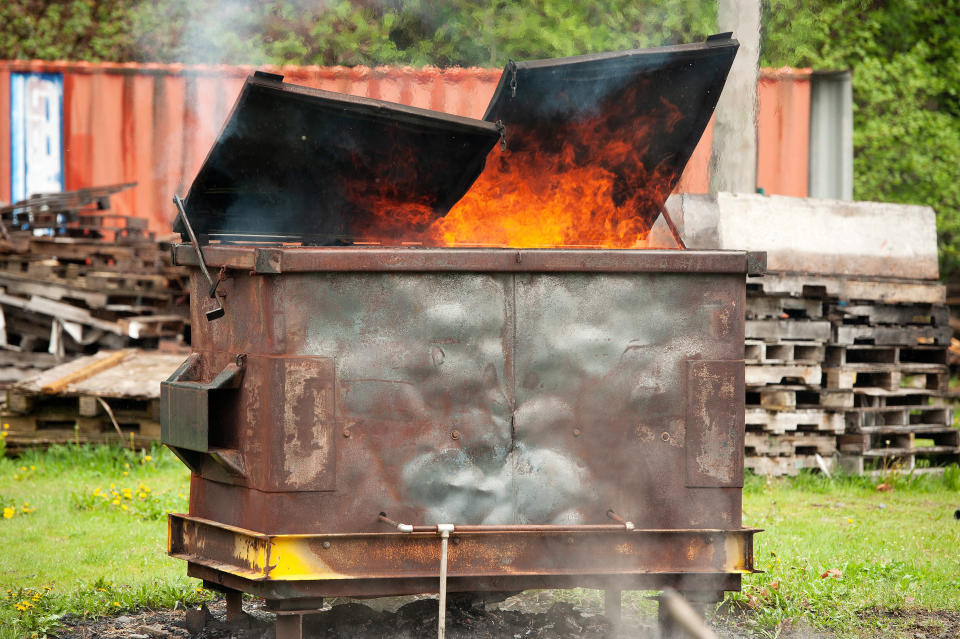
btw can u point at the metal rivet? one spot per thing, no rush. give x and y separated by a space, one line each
665 436
455 434
346 432
576 432
326 544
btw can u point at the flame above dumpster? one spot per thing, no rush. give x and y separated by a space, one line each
590 148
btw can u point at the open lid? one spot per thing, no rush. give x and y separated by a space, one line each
636 115
300 164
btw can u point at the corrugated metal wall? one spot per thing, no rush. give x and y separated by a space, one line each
783 131
153 124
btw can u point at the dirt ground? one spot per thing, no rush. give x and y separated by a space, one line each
418 619
411 620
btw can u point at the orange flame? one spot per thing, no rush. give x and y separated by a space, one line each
580 183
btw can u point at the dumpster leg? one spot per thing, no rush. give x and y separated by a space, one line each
234 605
289 625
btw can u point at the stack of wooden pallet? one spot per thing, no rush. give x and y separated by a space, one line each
848 369
110 396
846 334
75 278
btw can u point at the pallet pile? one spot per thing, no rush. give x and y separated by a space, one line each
75 278
847 334
108 397
848 369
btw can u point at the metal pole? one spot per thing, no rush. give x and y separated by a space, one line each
444 530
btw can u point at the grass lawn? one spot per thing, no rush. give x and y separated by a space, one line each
87 535
72 544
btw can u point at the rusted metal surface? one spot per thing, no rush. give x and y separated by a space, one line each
275 260
341 564
521 399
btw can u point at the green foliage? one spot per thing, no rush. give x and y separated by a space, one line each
905 56
414 32
91 30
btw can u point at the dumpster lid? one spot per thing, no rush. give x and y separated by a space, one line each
304 165
638 114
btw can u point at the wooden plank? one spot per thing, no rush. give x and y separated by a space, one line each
89 370
785 374
777 329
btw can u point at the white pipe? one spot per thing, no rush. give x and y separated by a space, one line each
444 531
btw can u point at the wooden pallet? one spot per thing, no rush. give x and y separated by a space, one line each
782 352
839 356
783 307
892 335
786 397
911 418
917 462
889 377
27 426
758 375
789 445
786 329
850 289
18 443
20 403
896 442
890 314
759 420
780 466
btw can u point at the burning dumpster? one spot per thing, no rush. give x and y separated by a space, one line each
440 356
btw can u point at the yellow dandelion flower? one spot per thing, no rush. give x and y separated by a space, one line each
6 426
124 506
125 473
147 458
33 467
849 520
8 512
127 466
3 434
116 502
23 468
116 604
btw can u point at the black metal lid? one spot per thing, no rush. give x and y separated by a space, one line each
319 167
637 114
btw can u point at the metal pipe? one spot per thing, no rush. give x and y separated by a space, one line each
492 528
444 530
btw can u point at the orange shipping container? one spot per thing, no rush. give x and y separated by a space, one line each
153 123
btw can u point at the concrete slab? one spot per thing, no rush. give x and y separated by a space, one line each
804 235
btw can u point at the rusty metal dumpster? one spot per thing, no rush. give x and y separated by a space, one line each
371 420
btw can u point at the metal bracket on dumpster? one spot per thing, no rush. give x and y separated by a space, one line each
185 411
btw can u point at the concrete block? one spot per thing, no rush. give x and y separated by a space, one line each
804 235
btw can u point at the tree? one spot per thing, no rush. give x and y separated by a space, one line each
905 57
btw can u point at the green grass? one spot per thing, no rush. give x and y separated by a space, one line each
73 551
77 550
894 550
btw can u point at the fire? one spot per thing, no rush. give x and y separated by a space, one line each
579 183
